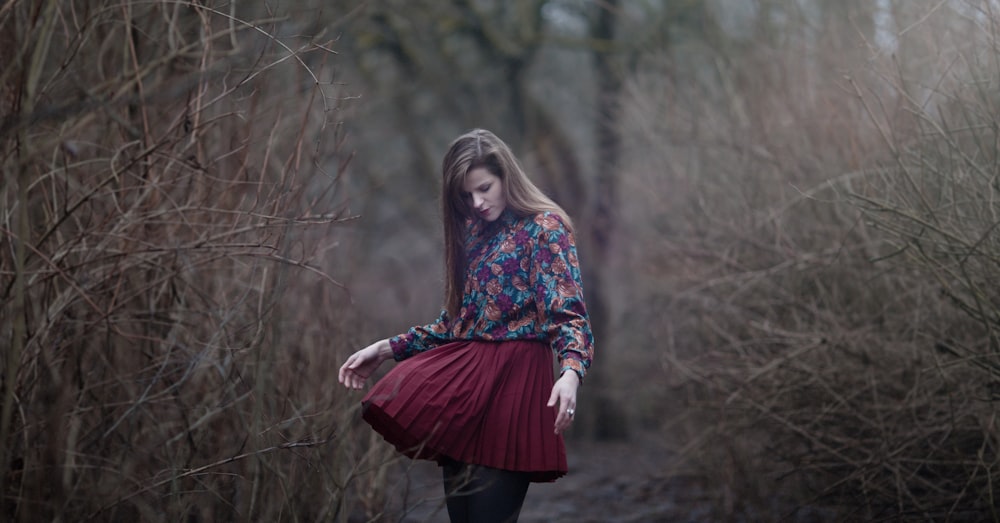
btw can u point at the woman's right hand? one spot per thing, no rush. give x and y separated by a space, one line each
363 363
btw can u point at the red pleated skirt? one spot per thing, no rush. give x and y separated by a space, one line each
474 402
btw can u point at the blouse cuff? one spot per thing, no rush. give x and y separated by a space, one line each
399 347
574 365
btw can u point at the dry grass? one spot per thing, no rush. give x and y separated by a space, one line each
172 184
821 275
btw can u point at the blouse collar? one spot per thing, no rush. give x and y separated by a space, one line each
507 217
480 227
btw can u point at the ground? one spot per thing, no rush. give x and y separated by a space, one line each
608 482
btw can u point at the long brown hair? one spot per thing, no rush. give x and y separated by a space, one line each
474 149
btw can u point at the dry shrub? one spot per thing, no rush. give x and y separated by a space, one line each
820 270
171 187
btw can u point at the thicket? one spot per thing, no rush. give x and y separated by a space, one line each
172 183
823 266
802 279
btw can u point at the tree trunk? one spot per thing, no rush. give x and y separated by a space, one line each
603 420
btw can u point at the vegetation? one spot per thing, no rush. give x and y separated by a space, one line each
786 211
819 294
172 174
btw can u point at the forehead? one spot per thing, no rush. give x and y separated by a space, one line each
477 177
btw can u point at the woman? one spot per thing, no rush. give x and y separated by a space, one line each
483 402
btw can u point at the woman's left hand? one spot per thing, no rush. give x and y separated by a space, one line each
564 397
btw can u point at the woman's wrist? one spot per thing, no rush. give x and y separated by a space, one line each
384 349
571 374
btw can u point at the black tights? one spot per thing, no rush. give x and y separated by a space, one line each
477 494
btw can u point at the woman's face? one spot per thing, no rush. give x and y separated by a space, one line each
483 192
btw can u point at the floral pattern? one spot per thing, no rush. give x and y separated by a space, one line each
523 282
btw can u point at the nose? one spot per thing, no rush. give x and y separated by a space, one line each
477 201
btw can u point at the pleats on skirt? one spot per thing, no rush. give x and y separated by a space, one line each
474 402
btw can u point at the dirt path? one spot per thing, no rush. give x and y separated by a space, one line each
608 482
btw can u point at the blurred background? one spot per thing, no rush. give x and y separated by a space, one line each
785 211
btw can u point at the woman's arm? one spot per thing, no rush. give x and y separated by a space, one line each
421 338
559 296
363 363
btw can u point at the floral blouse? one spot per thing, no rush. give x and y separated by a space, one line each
523 282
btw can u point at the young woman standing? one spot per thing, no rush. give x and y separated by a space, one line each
475 389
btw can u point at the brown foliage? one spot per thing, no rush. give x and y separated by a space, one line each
819 264
171 184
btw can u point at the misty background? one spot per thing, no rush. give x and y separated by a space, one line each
785 212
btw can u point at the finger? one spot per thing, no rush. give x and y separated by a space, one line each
345 367
561 423
553 397
347 373
356 380
566 415
351 379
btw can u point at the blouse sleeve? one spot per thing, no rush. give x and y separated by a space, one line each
420 338
559 296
